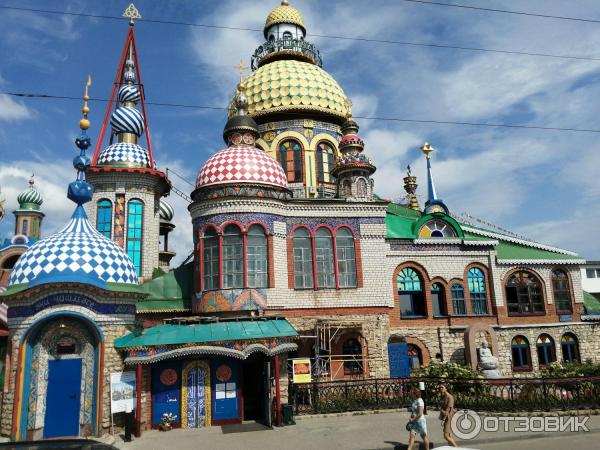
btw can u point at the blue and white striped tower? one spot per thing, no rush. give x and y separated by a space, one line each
433 203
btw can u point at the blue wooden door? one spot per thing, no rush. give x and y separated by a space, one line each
398 358
166 390
63 398
225 389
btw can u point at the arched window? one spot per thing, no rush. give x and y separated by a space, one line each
569 347
303 261
233 257
361 187
410 294
324 257
562 293
524 294
210 259
325 162
438 300
135 224
271 37
346 258
521 357
545 350
436 229
290 158
459 306
104 217
415 358
352 352
477 292
257 257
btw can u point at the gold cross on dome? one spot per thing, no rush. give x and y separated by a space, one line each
241 68
132 13
427 149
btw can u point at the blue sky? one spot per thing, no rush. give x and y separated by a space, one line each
541 184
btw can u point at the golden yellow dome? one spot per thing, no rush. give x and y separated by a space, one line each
284 13
290 85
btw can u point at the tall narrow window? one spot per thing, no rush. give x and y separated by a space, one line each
459 307
346 258
135 223
545 350
569 347
290 158
477 292
438 300
410 294
233 257
257 257
210 259
324 258
303 261
325 162
562 293
104 218
521 358
524 294
24 226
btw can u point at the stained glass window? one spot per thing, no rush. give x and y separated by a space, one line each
562 293
135 222
477 292
290 158
545 350
303 261
459 306
410 294
524 294
324 258
233 257
257 257
521 358
570 347
104 218
325 162
436 229
346 259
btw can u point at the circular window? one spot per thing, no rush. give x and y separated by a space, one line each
436 229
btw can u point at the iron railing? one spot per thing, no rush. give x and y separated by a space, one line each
501 395
298 47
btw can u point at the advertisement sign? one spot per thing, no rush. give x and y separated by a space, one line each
122 392
301 370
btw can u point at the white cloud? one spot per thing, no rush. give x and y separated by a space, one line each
12 110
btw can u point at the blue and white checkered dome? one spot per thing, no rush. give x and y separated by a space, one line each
127 120
124 154
76 254
129 93
166 211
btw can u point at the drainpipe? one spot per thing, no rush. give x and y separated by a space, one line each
277 391
138 401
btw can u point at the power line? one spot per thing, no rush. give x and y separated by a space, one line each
381 119
503 11
325 36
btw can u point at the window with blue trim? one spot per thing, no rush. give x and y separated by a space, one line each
459 305
135 222
545 350
104 218
438 300
570 348
410 294
415 358
521 358
477 292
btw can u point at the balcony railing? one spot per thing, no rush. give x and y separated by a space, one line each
293 47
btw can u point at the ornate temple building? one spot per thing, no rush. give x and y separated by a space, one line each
294 256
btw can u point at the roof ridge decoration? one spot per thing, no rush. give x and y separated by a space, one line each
126 121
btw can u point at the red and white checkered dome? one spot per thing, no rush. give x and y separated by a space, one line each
241 164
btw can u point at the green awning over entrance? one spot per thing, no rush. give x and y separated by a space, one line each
207 333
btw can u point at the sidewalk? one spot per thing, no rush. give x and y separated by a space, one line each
385 430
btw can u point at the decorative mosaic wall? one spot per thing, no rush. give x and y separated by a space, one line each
231 300
119 232
44 349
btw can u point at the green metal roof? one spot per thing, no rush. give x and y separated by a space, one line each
592 304
174 334
509 250
169 291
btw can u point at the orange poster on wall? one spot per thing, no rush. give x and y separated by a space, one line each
301 370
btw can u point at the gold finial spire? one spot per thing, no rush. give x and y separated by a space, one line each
285 3
132 13
241 68
84 123
427 149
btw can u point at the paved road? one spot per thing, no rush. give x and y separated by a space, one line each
357 432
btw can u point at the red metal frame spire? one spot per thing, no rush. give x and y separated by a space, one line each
113 103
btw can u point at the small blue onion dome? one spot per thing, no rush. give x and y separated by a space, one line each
124 154
127 120
30 199
166 211
129 93
76 254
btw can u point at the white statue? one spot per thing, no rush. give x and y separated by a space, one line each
488 363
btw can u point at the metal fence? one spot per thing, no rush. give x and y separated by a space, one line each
502 395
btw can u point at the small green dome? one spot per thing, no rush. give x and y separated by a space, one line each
30 199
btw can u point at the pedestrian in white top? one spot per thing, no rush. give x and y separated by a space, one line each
417 423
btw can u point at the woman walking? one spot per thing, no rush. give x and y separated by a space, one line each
417 424
446 413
